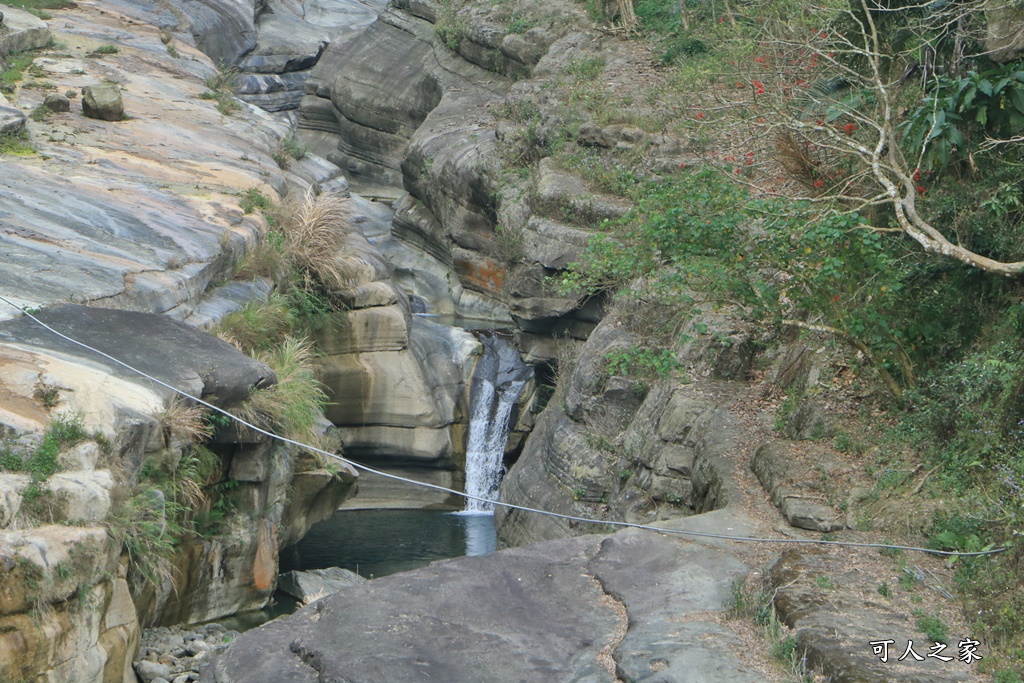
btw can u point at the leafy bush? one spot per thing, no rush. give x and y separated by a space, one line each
957 110
645 363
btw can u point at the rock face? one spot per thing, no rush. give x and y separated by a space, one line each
839 648
1004 37
150 216
398 383
233 568
624 448
566 603
430 140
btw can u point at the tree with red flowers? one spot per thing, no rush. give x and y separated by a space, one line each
881 90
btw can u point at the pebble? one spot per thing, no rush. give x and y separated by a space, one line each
174 654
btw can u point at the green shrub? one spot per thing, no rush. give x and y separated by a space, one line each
645 363
932 626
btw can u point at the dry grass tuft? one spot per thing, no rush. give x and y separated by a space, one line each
294 405
316 229
184 421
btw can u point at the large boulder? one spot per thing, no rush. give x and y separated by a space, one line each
103 102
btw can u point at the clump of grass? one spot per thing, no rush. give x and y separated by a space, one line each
294 405
184 421
258 326
14 70
220 90
253 199
17 144
104 50
65 430
313 235
754 603
287 150
40 113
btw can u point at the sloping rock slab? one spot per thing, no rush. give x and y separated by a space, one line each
836 625
795 490
543 612
184 357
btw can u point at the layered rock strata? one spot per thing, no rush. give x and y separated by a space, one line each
70 575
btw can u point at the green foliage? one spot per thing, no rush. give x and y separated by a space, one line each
40 113
294 406
585 68
17 144
65 430
959 111
220 90
451 25
287 150
253 199
646 363
932 626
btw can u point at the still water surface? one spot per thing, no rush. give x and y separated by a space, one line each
376 543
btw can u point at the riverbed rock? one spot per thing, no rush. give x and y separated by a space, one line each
314 584
563 602
57 102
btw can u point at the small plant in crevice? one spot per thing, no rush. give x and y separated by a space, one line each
220 89
451 24
288 149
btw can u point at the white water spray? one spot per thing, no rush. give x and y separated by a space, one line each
498 381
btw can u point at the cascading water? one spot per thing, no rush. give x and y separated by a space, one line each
498 381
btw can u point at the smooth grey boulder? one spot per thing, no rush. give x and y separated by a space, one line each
57 102
192 360
317 583
12 119
102 102
150 672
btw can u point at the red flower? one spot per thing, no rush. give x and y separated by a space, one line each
921 189
699 115
917 174
737 170
682 165
849 128
750 154
759 60
759 87
819 183
738 84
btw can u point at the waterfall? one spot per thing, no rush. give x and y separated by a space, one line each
498 379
